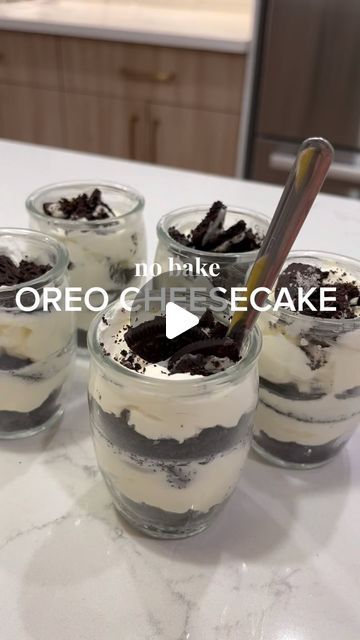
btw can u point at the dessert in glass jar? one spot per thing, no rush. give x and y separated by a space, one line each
171 429
309 398
37 347
102 226
229 236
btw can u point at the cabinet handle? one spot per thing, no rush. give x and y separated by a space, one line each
158 77
338 170
153 140
132 136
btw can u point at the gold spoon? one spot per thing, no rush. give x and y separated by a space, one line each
303 185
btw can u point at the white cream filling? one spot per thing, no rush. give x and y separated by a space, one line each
25 394
287 429
175 413
282 361
170 410
34 335
210 485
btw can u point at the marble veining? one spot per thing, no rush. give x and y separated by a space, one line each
281 562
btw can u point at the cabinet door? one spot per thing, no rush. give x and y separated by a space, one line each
193 139
108 126
29 59
163 75
31 115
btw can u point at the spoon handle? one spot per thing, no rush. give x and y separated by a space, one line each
303 185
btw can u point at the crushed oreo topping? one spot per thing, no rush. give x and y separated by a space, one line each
210 235
204 357
347 303
12 274
81 207
179 237
148 340
202 350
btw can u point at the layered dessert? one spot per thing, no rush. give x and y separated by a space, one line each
37 347
171 425
103 230
228 236
309 399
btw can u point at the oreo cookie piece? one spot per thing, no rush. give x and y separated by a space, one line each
207 230
158 522
12 363
12 421
307 276
202 350
81 207
300 275
148 340
121 433
179 237
120 274
354 392
295 453
210 235
12 274
290 390
205 357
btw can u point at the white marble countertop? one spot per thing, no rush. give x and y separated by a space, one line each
281 563
130 21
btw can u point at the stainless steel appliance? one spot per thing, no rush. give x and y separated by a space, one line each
306 82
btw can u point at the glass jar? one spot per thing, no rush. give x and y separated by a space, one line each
36 347
309 397
103 253
170 450
233 266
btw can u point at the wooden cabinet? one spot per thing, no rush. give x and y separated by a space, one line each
164 105
163 75
193 139
109 126
31 115
29 60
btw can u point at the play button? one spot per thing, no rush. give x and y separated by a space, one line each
178 320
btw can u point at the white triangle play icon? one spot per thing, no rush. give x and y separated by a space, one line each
178 320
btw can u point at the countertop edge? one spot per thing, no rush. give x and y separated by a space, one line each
117 34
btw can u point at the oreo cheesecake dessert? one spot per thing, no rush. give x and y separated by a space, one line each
102 227
36 347
228 236
171 423
309 398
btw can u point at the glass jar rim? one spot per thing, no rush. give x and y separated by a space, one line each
242 367
30 203
323 322
62 257
171 216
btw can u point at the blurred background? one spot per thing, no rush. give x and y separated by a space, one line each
226 87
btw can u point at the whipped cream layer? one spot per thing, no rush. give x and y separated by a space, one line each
172 409
309 375
35 335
